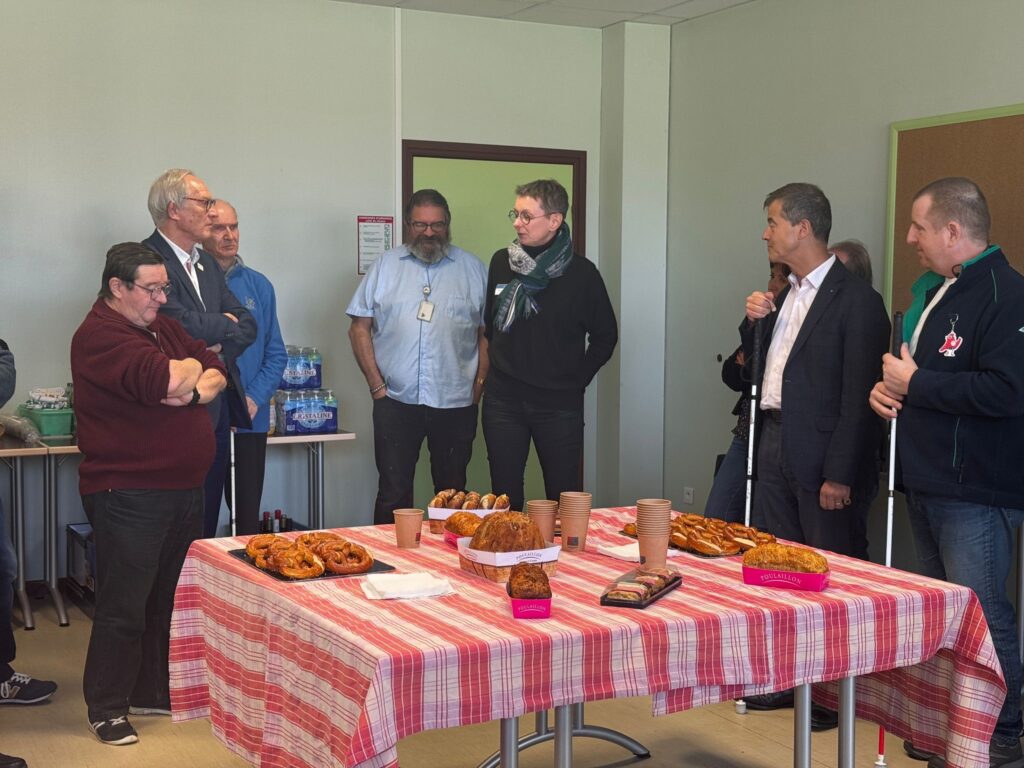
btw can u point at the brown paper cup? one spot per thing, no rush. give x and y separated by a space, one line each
574 532
653 549
546 522
408 526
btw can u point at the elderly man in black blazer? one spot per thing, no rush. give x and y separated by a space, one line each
182 210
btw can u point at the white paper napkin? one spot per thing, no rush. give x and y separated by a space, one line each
388 586
630 552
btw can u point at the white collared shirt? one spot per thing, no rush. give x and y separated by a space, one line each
193 258
787 328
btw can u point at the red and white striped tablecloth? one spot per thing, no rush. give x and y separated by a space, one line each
297 674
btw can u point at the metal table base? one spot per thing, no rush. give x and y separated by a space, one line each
50 534
568 724
18 537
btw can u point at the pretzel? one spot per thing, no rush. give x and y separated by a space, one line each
311 539
297 562
345 557
259 544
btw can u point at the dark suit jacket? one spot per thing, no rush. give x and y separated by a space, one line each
829 431
205 319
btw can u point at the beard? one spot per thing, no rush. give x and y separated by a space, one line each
429 249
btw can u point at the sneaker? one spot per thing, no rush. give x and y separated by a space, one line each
10 761
149 711
769 701
116 731
22 689
916 754
999 756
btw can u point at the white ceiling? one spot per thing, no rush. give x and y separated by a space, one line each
573 13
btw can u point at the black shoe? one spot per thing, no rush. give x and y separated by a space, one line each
10 761
116 731
22 689
916 754
823 719
769 701
999 756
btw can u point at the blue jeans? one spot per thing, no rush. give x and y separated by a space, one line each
8 573
728 497
972 545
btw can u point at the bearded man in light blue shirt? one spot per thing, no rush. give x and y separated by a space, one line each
417 334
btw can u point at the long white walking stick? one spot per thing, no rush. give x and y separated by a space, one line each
897 346
234 495
755 384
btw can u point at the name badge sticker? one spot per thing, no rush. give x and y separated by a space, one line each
426 311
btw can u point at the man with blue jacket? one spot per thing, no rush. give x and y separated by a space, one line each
958 387
260 365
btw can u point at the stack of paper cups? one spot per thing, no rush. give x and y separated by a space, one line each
542 512
653 526
574 512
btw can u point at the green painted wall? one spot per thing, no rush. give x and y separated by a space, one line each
480 193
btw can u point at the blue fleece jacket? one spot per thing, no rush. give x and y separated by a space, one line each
262 363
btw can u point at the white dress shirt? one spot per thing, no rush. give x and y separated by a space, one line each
189 262
787 328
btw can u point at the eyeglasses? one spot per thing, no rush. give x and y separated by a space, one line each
525 217
206 202
165 289
421 226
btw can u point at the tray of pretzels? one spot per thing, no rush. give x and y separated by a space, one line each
709 536
448 502
310 556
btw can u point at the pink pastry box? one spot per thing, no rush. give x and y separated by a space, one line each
812 582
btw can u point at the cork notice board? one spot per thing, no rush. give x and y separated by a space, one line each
985 146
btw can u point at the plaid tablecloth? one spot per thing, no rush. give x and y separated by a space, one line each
295 674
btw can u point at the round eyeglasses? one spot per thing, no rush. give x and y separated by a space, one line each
524 217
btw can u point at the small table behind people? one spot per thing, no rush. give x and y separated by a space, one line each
315 673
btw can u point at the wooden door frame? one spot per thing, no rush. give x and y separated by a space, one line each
413 148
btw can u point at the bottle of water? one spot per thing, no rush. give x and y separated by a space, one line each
316 364
330 407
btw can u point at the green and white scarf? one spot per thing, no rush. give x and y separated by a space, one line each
517 298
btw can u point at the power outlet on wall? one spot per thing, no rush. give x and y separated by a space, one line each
687 495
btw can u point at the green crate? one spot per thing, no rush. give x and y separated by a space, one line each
48 421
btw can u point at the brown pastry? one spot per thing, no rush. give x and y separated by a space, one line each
629 529
502 502
462 523
472 496
783 557
528 581
487 501
507 532
471 503
456 501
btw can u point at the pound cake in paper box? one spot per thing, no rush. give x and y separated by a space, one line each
502 540
450 501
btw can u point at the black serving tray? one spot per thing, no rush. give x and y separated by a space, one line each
378 566
671 585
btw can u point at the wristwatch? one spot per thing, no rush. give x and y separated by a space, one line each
195 396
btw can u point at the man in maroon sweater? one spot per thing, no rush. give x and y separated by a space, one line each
141 385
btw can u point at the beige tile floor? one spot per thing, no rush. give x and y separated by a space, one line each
55 735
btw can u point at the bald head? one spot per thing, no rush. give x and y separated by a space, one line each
222 240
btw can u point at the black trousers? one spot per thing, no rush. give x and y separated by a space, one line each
398 432
250 467
509 425
8 574
213 487
792 512
141 541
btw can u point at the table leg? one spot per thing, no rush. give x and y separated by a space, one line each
563 736
50 540
315 480
18 535
802 726
847 722
320 513
509 743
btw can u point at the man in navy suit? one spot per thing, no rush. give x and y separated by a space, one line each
817 461
183 210
821 337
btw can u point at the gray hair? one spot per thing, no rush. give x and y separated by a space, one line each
961 200
858 261
169 187
804 201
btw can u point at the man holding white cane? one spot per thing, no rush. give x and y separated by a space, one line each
958 388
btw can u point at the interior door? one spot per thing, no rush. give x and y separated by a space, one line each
480 191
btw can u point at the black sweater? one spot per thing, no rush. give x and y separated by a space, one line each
549 358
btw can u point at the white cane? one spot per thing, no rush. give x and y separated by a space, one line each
755 381
897 346
234 497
